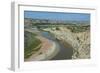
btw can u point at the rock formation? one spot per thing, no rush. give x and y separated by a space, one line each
79 41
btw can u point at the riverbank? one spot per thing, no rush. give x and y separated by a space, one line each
79 40
47 51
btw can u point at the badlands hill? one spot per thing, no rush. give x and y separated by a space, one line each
77 35
80 41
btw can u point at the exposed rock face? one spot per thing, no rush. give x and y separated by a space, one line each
79 41
84 48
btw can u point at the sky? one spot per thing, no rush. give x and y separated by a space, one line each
57 16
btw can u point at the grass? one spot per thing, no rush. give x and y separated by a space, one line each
31 44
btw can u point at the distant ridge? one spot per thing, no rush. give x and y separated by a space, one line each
31 20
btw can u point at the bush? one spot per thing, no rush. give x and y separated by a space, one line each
57 28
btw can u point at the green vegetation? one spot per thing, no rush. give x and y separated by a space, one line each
31 44
78 28
57 28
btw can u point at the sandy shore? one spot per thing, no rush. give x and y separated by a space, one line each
47 51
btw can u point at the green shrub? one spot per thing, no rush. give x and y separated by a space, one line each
57 28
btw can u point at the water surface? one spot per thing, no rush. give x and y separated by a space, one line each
66 50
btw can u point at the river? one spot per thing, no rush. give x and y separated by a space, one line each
65 51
